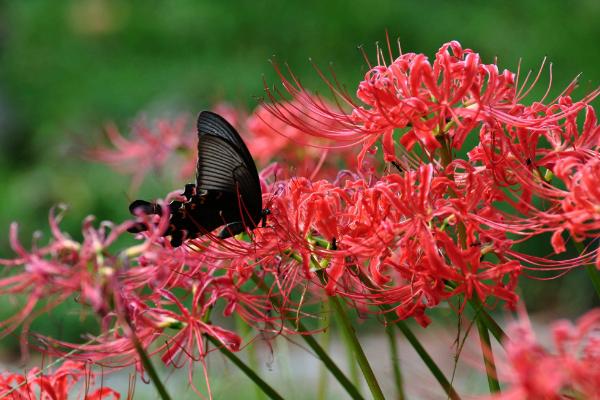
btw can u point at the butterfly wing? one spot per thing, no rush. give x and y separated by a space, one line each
227 190
226 166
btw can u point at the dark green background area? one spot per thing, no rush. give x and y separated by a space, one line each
68 67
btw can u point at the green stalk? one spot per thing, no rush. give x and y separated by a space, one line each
360 355
431 365
591 270
594 277
330 364
389 330
488 321
316 347
326 341
488 356
149 367
266 388
244 329
354 374
412 339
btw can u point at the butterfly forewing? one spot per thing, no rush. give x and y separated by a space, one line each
213 124
225 165
216 165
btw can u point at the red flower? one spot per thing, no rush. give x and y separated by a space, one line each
273 138
58 385
571 371
426 101
64 268
151 147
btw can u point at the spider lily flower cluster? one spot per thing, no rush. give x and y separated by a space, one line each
571 370
401 233
60 384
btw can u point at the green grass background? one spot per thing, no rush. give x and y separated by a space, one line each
68 67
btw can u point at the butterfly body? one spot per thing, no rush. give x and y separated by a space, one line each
227 190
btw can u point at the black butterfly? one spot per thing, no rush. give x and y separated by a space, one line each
227 190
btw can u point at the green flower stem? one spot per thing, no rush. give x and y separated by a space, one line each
354 370
389 331
486 318
244 330
488 321
431 365
594 277
316 347
414 342
360 355
325 341
330 364
266 388
488 356
160 388
591 269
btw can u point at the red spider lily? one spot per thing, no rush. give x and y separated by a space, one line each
46 276
428 101
272 139
572 370
151 147
437 105
64 268
395 231
580 207
58 385
131 293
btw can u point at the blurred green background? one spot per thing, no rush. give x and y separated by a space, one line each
69 67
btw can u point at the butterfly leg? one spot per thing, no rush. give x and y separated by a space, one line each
144 207
177 238
189 191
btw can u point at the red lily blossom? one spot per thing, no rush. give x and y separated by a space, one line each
426 101
572 370
419 236
52 273
150 147
58 385
272 139
395 231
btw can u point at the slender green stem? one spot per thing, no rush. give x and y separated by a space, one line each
488 356
389 330
266 388
594 277
414 342
243 328
354 370
433 368
160 388
325 341
489 322
591 269
330 364
361 357
487 319
316 347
